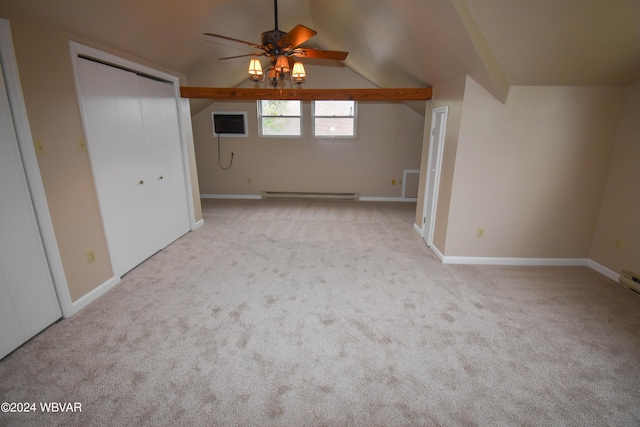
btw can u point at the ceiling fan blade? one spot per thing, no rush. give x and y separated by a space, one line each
319 54
240 56
257 46
298 35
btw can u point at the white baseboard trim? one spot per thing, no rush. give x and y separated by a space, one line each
259 196
515 261
418 229
387 199
88 298
437 253
198 224
604 270
231 196
529 261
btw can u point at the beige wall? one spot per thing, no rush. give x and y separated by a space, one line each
551 173
44 62
531 171
616 244
389 138
191 153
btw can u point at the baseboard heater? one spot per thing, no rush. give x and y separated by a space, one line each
309 196
630 281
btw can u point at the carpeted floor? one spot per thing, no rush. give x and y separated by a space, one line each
301 313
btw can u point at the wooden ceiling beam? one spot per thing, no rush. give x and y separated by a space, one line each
250 94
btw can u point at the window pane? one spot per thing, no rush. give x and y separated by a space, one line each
280 118
287 126
280 108
334 108
333 126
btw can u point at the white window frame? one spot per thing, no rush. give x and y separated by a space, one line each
261 116
354 117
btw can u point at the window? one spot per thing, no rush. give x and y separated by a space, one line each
334 119
280 118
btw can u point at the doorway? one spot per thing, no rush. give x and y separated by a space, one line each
434 166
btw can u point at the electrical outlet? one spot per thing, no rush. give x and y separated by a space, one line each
617 245
480 232
91 256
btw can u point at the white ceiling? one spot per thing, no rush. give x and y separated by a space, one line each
392 43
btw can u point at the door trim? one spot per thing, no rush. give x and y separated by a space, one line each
428 229
31 168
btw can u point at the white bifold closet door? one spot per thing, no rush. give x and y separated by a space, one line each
133 138
28 301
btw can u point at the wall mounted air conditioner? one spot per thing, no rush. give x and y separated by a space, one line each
230 123
630 280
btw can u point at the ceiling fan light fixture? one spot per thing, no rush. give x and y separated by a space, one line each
298 71
255 68
281 47
282 64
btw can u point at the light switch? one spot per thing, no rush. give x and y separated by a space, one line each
82 144
39 146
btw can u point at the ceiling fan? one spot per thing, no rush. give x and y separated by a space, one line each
282 47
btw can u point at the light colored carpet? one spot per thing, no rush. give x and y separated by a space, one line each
300 313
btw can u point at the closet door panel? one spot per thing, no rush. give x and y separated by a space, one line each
23 263
112 114
28 302
11 336
164 157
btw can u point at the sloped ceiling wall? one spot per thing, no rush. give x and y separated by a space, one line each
568 42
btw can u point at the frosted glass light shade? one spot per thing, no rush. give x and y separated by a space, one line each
298 71
255 68
282 64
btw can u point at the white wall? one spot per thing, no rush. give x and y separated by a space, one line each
531 171
616 244
389 140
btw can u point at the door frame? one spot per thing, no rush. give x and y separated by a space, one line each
31 168
434 163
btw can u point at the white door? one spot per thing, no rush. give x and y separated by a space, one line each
134 143
434 165
114 129
168 211
28 301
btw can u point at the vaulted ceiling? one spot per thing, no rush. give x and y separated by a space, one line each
391 43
